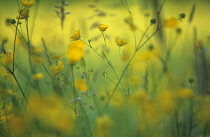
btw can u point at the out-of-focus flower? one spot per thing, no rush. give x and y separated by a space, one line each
171 22
76 35
128 20
75 51
54 70
81 85
102 27
24 13
52 112
6 58
37 76
118 100
104 125
120 42
38 60
184 93
204 111
27 3
166 101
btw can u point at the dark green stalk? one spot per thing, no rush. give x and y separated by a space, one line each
177 124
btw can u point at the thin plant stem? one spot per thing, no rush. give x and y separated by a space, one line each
74 90
105 41
14 46
126 67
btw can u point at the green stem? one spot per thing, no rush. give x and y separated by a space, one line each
14 47
105 41
21 90
74 90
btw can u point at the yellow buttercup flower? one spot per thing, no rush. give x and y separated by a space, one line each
76 35
120 42
81 85
54 70
27 3
75 52
102 27
171 22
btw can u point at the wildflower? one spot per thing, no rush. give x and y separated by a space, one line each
54 70
6 58
104 125
184 93
38 76
78 44
102 27
24 13
51 111
171 22
120 42
27 3
81 85
76 35
75 52
166 101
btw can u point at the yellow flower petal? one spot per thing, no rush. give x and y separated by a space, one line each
102 27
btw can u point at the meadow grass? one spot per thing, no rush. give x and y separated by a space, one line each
103 69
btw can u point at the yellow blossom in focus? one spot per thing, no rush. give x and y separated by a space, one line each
81 85
54 70
6 59
38 76
171 22
184 93
24 13
104 125
76 35
27 3
102 27
120 42
75 52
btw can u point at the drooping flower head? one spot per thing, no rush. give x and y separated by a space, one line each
120 42
76 35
